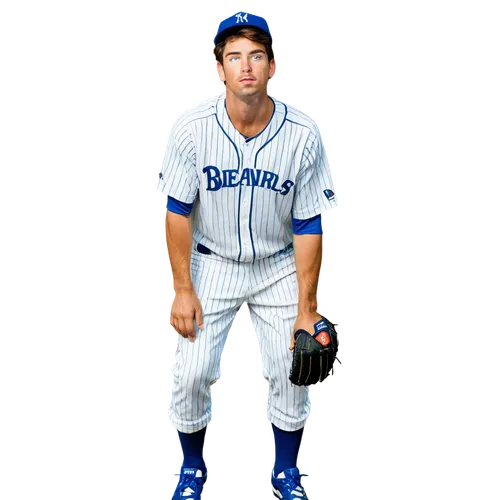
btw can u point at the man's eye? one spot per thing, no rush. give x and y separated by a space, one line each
257 56
233 58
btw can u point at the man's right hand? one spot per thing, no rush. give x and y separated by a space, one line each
185 309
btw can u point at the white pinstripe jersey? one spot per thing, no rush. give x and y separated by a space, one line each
245 191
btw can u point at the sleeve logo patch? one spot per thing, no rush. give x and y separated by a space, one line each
330 195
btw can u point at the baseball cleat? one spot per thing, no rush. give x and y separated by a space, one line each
287 485
190 484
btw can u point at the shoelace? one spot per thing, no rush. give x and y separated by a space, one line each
292 482
189 482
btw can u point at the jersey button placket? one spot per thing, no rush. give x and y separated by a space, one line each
245 205
248 190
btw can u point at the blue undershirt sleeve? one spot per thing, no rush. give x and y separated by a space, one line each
314 225
176 206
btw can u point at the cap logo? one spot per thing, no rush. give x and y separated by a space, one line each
240 18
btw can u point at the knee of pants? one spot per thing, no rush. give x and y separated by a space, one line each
196 380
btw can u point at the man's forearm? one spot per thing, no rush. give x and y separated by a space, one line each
308 253
179 241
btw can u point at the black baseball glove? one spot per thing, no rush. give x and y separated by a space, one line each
314 354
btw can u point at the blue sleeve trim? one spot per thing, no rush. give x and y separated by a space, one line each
307 226
179 207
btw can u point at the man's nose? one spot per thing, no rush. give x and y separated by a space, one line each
245 65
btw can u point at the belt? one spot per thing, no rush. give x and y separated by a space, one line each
283 250
205 250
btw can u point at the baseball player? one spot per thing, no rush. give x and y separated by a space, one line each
247 179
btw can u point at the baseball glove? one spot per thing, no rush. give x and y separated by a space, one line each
314 354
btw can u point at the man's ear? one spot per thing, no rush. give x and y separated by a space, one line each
220 70
272 68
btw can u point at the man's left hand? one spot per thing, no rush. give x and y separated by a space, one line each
305 321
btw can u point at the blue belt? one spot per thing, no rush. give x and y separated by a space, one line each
283 250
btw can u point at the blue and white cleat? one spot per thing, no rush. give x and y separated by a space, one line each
287 485
190 484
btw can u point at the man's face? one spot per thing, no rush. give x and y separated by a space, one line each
246 69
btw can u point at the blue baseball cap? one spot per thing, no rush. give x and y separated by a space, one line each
241 20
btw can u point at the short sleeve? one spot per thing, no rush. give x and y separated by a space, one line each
178 176
314 191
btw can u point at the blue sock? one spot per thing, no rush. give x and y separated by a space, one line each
287 446
192 447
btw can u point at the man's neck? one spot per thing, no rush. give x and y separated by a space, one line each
250 115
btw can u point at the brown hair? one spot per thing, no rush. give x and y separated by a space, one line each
252 34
